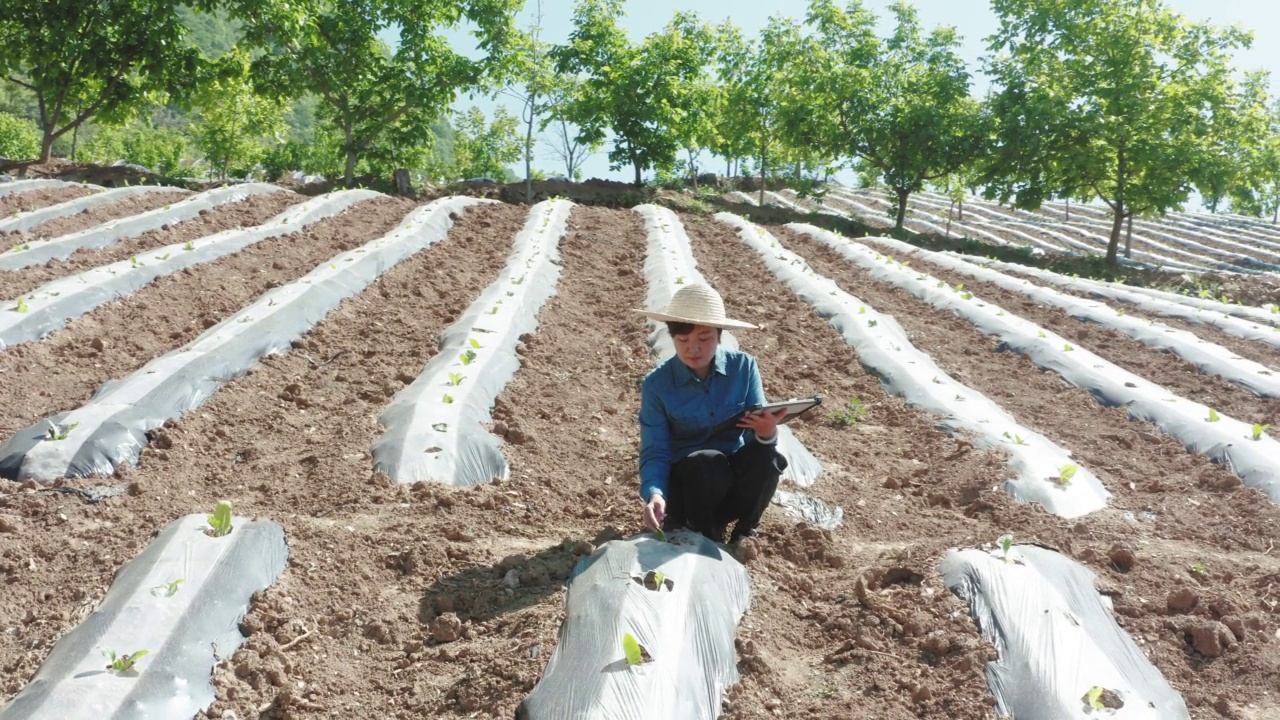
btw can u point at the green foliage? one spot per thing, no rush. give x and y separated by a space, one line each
631 648
484 150
122 663
455 379
1122 100
851 414
1213 415
59 432
19 138
1065 473
1258 430
160 150
220 520
234 123
1005 542
168 589
658 533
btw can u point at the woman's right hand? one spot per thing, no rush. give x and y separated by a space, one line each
655 511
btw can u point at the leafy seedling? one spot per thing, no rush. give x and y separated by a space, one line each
59 432
467 357
1213 415
662 537
494 311
871 323
851 414
455 379
1067 347
136 262
1258 429
448 399
654 581
21 247
862 310
22 305
680 280
1200 569
191 245
1005 541
122 663
518 280
1065 473
1017 439
167 589
475 343
941 283
966 296
164 256
220 520
1041 334
635 652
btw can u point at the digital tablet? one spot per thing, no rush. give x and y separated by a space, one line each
795 408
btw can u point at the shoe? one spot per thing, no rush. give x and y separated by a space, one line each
738 536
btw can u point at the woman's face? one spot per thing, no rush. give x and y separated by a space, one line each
698 348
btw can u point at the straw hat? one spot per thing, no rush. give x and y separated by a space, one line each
697 304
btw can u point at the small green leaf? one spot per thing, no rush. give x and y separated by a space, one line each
22 305
1258 429
475 343
1065 473
1095 698
1067 347
631 647
662 537
658 577
1213 415
448 399
468 357
220 520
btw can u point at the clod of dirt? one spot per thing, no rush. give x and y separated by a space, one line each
608 534
1183 601
1123 558
1235 625
512 579
9 525
748 549
1208 637
446 628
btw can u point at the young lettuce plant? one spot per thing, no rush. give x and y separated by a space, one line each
22 305
1213 416
467 357
122 663
220 520
1005 541
168 589
1258 429
59 432
634 651
455 379
1065 473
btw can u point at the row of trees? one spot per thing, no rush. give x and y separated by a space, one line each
1122 100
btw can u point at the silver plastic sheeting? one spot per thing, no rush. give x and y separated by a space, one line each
111 428
884 349
50 306
809 509
108 233
1209 358
13 187
185 632
28 220
1225 440
435 426
668 264
686 627
1056 638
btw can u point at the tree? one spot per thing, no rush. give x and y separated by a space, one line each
234 123
160 150
900 106
642 93
103 59
381 101
19 139
566 142
1118 99
534 87
1258 190
485 150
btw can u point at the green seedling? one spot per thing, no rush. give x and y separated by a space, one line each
475 343
455 379
167 589
1094 698
166 207
1041 334
21 247
122 663
966 296
662 537
136 262
941 283
1005 542
220 520
1200 568
871 323
191 245
448 399
680 280
1258 429
56 432
1017 439
1065 473
862 310
1119 313
518 280
1067 347
467 357
165 256
632 649
22 305
851 414
1213 415
959 287
494 311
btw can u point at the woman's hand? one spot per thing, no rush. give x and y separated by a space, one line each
763 424
655 511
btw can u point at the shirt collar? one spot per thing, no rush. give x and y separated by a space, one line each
684 375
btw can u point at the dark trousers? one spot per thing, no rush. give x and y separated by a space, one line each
708 489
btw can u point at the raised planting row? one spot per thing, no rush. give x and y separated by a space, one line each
435 427
148 651
25 221
34 315
1243 445
61 247
1043 471
112 429
12 187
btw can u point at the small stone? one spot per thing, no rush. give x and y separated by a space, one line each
446 628
922 694
511 579
98 344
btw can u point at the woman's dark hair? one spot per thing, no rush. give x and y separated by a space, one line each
683 328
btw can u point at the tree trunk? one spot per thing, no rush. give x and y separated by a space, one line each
902 209
764 160
1128 237
639 178
1117 224
949 209
528 156
75 139
46 145
961 217
1068 209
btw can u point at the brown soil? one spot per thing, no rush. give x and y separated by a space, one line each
39 198
253 210
392 605
125 334
99 214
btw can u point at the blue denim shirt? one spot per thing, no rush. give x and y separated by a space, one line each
678 412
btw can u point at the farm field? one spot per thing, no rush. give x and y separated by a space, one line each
399 599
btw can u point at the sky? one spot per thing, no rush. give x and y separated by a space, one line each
973 20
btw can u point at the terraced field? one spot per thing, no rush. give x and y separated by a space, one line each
423 417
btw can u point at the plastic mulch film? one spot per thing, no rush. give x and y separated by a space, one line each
668 264
684 622
435 427
38 252
181 600
28 220
1039 464
48 307
13 187
1255 457
111 428
1061 653
1209 358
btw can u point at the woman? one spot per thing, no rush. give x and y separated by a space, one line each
692 475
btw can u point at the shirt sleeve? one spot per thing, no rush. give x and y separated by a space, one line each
655 443
755 395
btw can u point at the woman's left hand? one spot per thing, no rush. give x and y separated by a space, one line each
763 424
